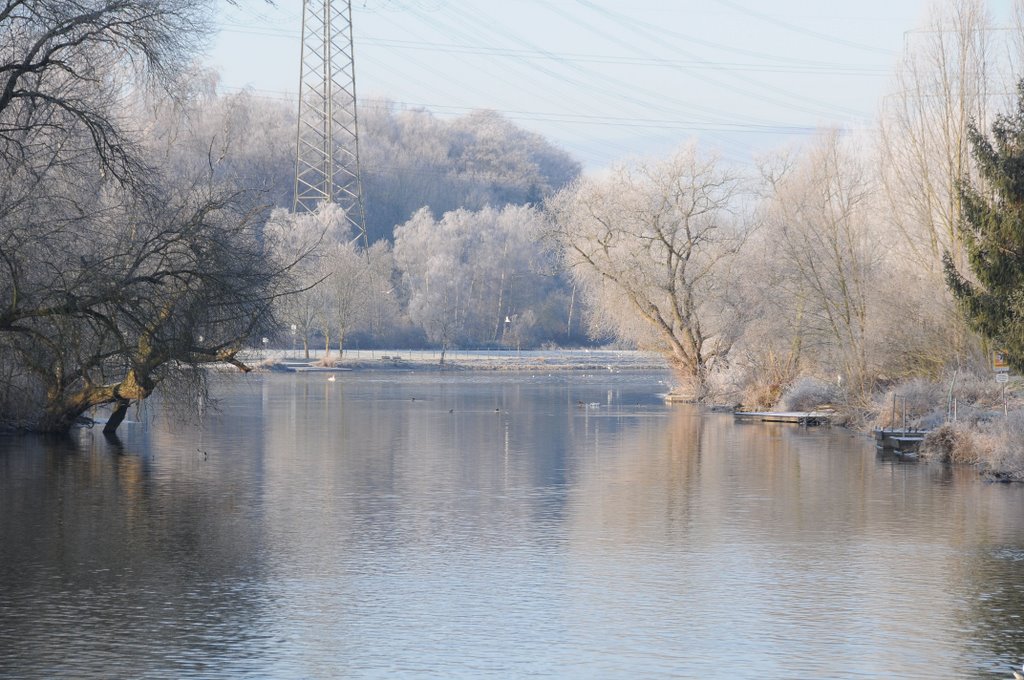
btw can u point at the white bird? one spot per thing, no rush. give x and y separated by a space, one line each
331 379
1018 676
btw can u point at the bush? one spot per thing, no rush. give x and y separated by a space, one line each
953 443
922 402
270 364
758 395
978 390
724 387
332 361
1005 456
807 394
997 445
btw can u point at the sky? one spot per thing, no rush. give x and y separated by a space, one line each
605 79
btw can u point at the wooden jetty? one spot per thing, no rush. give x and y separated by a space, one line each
899 440
804 418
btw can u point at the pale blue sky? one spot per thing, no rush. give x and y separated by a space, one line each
605 79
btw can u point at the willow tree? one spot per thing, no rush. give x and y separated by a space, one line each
993 233
652 245
120 266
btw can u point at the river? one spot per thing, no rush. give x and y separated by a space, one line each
496 524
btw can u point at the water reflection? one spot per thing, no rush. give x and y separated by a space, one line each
480 524
109 561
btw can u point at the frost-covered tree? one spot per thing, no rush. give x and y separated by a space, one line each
825 255
412 159
121 266
652 246
472 274
945 78
431 257
307 240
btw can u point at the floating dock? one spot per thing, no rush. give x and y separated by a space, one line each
804 418
899 440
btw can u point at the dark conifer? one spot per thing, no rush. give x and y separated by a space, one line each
992 229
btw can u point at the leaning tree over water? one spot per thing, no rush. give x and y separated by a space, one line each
121 266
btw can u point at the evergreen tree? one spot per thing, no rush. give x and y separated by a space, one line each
992 229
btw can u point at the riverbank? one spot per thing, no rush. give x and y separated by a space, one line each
477 360
970 419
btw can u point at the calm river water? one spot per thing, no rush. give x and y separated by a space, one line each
493 524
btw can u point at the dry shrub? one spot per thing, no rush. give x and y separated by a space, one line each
923 402
807 394
1005 456
998 446
980 391
270 364
759 395
724 387
760 376
332 361
954 443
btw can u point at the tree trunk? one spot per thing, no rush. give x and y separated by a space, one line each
692 378
117 416
568 322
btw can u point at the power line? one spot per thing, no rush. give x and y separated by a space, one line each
796 102
601 84
574 118
574 90
801 29
798 67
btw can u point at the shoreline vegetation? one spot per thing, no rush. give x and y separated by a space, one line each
967 421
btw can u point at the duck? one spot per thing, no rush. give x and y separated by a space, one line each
331 379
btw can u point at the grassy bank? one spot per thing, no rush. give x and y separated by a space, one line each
967 419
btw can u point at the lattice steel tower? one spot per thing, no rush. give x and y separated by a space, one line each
327 152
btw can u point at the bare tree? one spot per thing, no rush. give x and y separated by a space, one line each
68 65
471 271
943 82
827 258
114 273
353 289
306 239
651 245
432 259
169 280
953 70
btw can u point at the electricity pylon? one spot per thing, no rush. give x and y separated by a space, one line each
327 149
